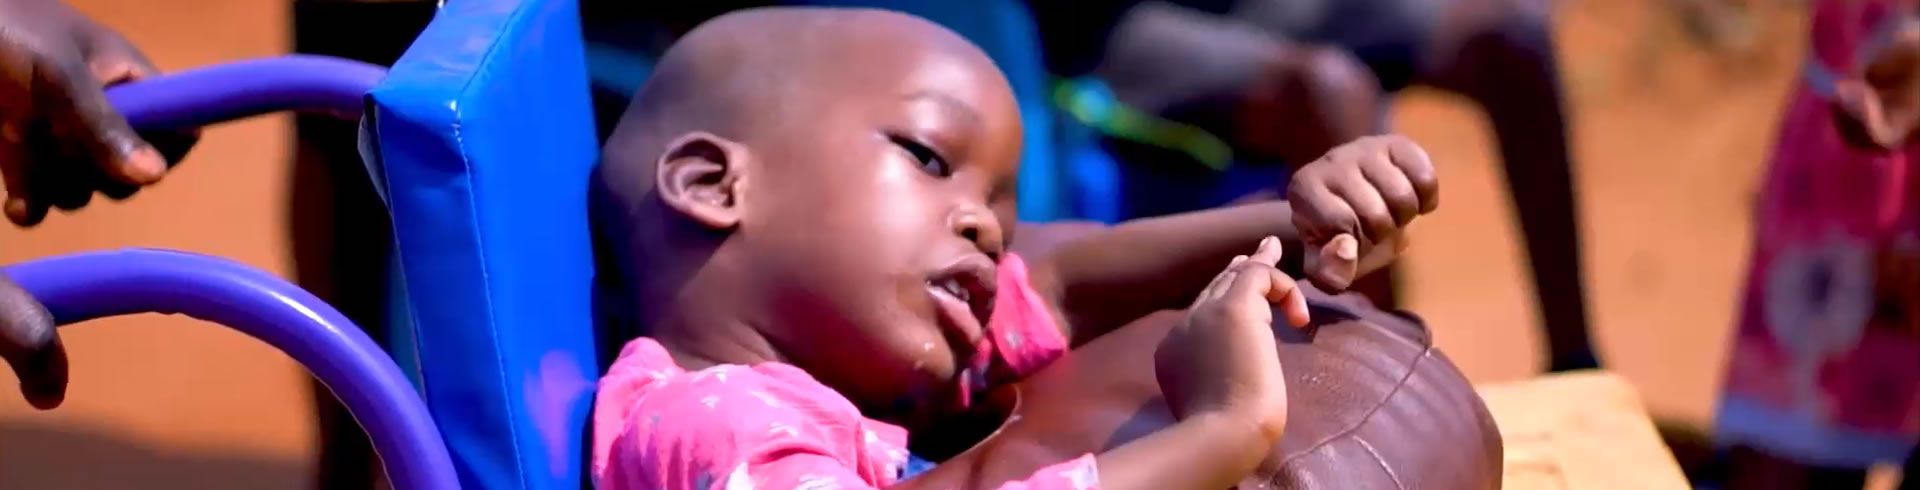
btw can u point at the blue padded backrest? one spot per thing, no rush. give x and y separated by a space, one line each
481 139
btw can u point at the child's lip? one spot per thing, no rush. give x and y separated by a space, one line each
957 315
973 276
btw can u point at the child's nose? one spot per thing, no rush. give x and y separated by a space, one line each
978 225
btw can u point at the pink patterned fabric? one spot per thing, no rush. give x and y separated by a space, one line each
771 425
1826 358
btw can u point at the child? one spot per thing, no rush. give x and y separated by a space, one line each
1823 381
807 211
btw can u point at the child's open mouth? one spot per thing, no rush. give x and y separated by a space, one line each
963 296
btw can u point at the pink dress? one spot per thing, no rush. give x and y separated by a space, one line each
772 426
1825 367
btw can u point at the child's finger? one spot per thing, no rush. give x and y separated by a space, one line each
1370 210
1396 190
1318 212
1269 252
1218 287
1339 261
1414 162
1282 291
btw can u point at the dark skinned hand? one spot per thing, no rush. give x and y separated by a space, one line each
1221 359
1881 107
60 140
31 346
1352 205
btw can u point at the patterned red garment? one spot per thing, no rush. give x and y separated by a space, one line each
1826 358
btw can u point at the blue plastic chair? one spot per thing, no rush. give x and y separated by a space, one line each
481 140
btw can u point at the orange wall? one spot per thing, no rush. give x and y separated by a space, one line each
167 402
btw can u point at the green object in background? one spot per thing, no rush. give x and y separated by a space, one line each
1089 101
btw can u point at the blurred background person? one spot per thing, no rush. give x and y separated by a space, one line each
1824 381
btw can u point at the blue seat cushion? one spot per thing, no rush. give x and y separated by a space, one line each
481 140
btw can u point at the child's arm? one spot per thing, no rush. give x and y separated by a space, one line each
1347 209
1220 375
1111 276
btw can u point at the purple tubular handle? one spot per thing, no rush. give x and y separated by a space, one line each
92 285
229 91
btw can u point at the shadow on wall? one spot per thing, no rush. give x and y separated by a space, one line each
72 458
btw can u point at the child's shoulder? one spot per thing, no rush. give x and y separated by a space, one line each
722 413
645 373
645 380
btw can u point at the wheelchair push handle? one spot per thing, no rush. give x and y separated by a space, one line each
87 286
225 92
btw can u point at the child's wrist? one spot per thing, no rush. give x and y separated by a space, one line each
1265 420
1243 434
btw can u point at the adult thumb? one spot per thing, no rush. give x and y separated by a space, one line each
80 106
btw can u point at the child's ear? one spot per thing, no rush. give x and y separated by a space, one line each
699 176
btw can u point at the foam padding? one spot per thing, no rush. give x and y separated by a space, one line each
481 140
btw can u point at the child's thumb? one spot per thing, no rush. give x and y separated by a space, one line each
1338 261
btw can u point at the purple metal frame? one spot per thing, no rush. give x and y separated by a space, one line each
86 286
225 92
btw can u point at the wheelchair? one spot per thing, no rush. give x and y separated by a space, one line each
480 140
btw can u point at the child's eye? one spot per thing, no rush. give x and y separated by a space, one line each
929 160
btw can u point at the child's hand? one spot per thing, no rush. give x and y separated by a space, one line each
1882 107
1351 205
29 343
1222 358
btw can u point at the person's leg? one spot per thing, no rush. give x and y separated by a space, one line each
1500 53
1311 100
1273 99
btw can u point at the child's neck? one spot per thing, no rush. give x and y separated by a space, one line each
702 323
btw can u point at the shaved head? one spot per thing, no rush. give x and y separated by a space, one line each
742 72
756 74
